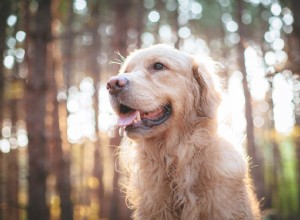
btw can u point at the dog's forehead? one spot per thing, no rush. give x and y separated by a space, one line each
155 54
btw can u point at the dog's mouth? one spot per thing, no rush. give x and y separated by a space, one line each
132 118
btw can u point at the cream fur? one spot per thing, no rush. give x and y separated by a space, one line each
181 169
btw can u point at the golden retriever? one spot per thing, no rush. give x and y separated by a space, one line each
179 167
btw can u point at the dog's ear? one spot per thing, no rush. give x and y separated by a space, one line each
208 86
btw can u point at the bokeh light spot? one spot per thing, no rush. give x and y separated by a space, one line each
11 20
154 16
9 62
20 36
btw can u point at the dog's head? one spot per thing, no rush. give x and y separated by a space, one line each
159 88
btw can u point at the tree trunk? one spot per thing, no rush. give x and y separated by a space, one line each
121 9
61 159
115 212
294 57
95 71
5 9
62 166
177 26
13 167
36 89
140 23
272 189
256 166
60 163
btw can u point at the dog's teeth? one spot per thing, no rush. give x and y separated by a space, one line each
138 116
121 131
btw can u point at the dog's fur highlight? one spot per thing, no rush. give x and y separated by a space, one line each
181 169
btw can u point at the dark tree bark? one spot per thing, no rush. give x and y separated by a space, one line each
176 26
61 164
69 48
256 166
13 167
95 49
121 8
13 176
36 89
140 22
61 159
294 57
4 9
115 212
3 189
275 163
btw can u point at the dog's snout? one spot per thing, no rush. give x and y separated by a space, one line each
116 84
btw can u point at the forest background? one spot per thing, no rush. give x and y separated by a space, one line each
57 130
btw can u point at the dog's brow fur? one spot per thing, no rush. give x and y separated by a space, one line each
182 169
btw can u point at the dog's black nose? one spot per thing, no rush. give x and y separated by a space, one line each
116 84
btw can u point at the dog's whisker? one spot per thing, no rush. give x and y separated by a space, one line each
119 62
167 107
122 58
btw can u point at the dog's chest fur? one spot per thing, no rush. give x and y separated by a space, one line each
173 173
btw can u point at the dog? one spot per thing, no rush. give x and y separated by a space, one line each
178 166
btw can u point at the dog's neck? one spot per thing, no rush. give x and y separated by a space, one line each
164 163
168 146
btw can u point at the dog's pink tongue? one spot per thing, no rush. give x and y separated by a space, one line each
127 119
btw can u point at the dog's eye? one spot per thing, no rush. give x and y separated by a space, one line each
158 66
